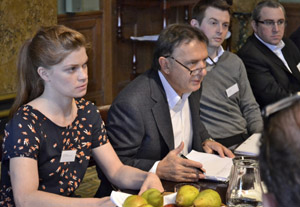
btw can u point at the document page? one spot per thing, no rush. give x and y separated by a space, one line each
145 38
250 146
217 168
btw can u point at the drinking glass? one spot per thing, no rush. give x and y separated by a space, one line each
244 189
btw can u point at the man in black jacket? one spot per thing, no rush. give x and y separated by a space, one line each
272 62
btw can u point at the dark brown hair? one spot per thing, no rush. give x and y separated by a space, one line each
202 5
268 3
279 155
173 36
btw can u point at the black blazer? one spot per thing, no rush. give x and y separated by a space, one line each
139 125
295 37
269 78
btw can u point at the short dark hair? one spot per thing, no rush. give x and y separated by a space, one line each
279 155
173 36
267 3
202 5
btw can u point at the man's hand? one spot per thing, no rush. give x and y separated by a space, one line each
175 168
210 146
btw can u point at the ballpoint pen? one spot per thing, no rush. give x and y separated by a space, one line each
184 157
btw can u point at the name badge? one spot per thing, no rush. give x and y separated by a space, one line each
298 66
232 90
68 156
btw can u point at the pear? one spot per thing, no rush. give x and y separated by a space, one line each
134 201
186 195
154 197
146 205
208 198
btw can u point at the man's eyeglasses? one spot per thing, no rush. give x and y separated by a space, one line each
192 72
271 23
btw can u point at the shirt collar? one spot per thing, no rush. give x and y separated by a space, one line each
172 97
279 46
216 59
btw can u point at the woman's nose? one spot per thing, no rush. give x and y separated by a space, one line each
83 73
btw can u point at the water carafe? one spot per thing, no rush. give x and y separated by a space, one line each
244 188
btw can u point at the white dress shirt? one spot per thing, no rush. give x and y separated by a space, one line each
210 64
180 116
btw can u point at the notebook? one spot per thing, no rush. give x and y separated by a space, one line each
217 168
250 147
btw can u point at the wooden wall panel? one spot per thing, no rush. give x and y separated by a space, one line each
19 20
293 17
90 25
141 18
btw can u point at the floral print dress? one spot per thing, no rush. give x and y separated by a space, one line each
31 134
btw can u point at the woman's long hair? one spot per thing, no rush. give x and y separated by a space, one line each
48 47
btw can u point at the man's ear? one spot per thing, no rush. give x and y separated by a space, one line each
254 26
44 73
164 65
195 23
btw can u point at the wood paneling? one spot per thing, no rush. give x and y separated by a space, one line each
19 20
139 18
293 17
90 24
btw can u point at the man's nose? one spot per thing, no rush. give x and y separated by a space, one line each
204 72
220 28
275 27
202 64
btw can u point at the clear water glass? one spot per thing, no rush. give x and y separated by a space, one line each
244 189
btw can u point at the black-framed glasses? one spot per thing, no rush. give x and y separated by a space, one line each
280 105
192 72
271 23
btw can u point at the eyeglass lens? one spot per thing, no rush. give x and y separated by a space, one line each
272 23
192 72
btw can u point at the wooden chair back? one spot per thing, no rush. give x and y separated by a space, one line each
103 112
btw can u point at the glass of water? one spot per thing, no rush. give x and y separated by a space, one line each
244 189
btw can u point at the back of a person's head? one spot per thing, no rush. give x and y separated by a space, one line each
279 155
48 47
202 5
267 3
172 37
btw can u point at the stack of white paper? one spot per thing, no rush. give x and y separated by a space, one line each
217 168
118 198
250 147
145 38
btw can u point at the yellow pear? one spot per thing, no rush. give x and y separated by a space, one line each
146 205
154 197
134 201
208 198
186 195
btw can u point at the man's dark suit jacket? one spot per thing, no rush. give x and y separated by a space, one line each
295 37
269 78
139 125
